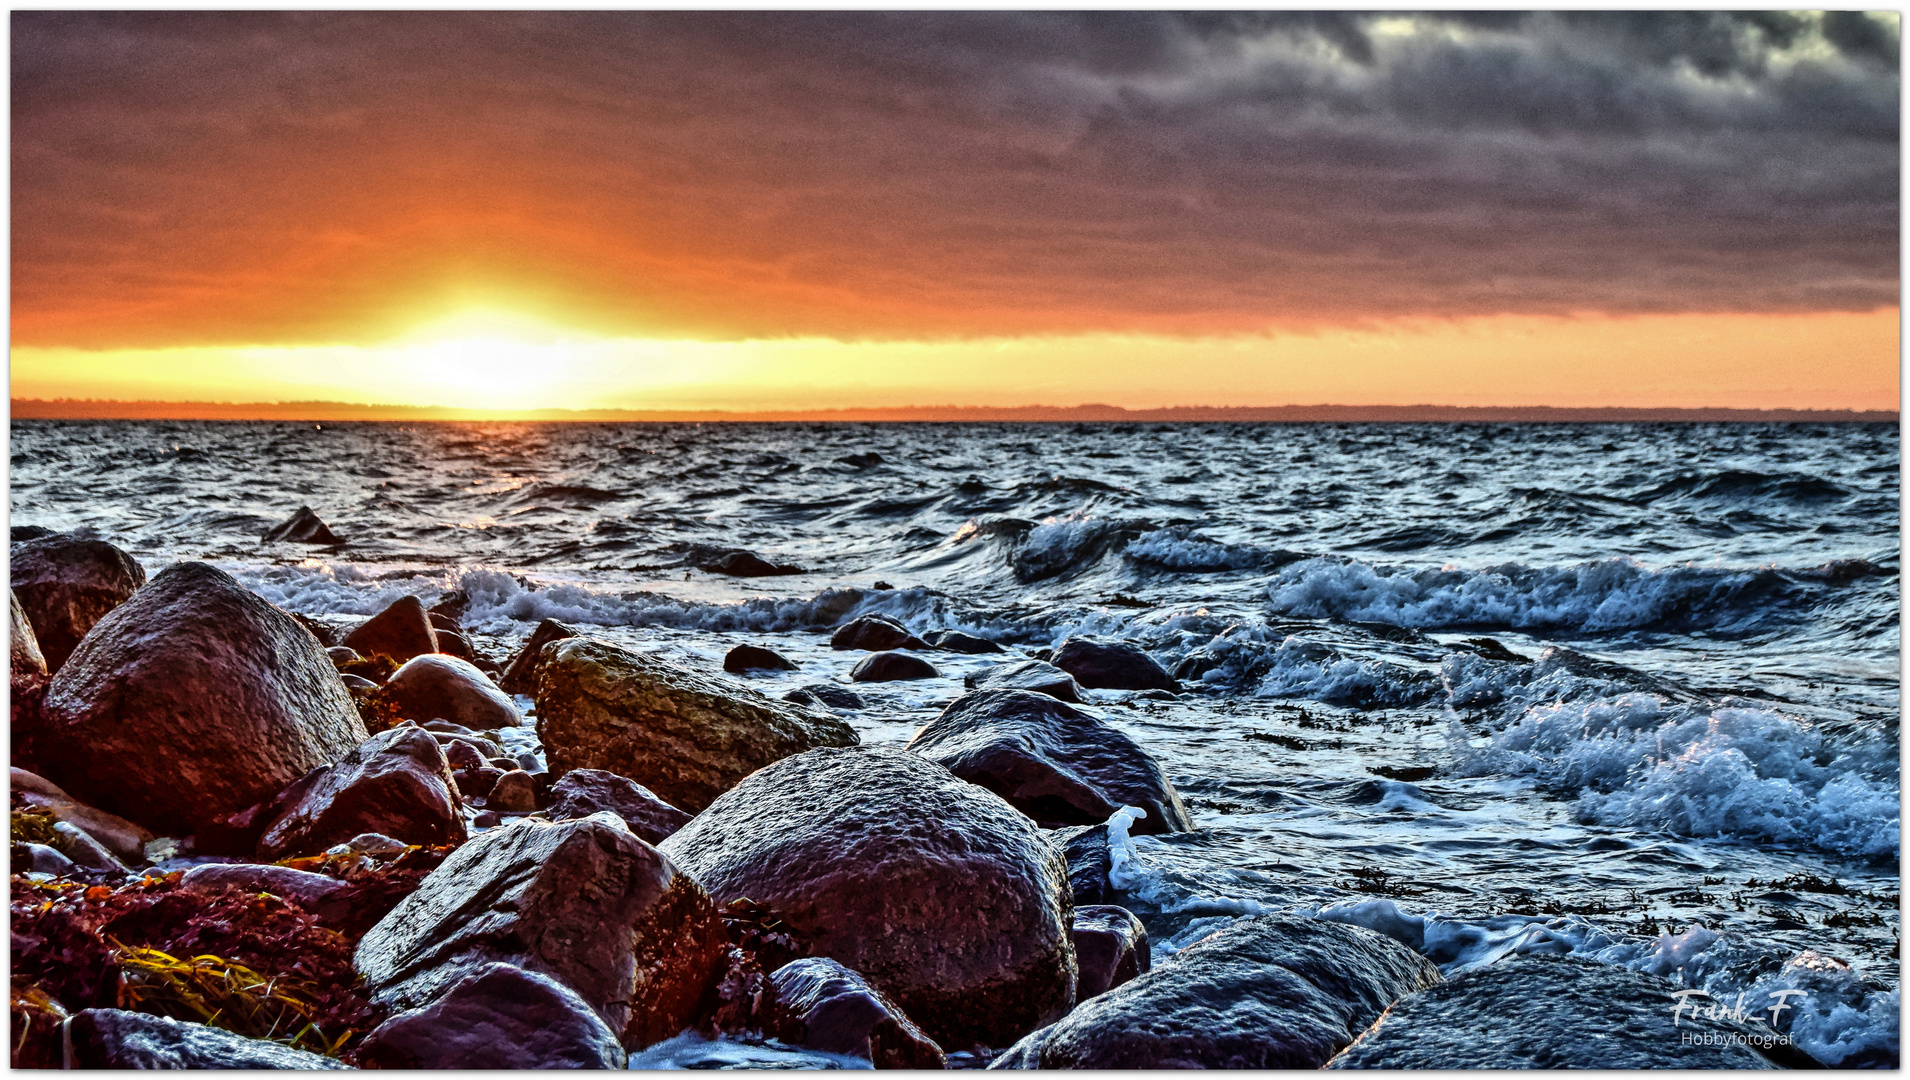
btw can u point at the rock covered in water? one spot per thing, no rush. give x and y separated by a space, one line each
583 792
400 632
125 839
942 896
498 1017
1110 948
1267 992
684 735
874 633
520 675
116 1039
957 641
1051 761
1036 676
828 1007
1554 1012
66 583
194 699
1111 665
397 783
746 658
585 902
303 527
1089 861
893 667
826 695
439 687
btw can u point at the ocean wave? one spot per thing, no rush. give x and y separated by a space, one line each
1180 549
1745 485
1607 595
1270 663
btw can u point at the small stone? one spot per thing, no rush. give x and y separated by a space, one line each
1111 665
583 792
746 658
957 641
41 859
476 783
1036 676
514 791
396 783
1110 948
893 667
520 675
341 655
499 1017
304 887
440 687
114 1039
826 695
400 632
829 1007
874 633
303 527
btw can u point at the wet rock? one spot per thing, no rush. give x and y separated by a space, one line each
680 733
744 658
126 840
874 633
462 754
86 851
830 1008
829 697
893 667
942 896
1036 676
1110 948
66 583
400 632
396 783
1551 1012
452 643
520 675
476 783
957 641
18 533
373 843
1111 665
327 631
194 699
1053 762
116 1039
440 687
303 527
499 1017
735 562
41 859
307 889
341 655
23 650
583 792
585 902
442 622
1267 992
488 819
513 792
357 684
1086 849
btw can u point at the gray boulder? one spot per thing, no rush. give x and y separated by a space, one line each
942 896
66 583
396 783
309 890
682 734
498 1017
1110 948
1268 992
1053 762
440 687
583 792
1037 676
826 1006
1111 665
116 1039
585 902
194 699
892 667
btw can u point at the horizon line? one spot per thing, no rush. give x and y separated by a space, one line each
109 409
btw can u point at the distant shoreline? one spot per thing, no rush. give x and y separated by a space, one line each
76 409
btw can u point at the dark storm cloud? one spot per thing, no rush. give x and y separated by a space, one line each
258 175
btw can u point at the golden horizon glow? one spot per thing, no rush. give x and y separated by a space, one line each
495 358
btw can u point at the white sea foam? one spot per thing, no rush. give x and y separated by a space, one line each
692 1051
1179 548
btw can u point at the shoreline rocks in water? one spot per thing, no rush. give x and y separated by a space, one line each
193 699
1053 762
441 687
520 675
397 783
1037 676
66 583
935 891
874 633
303 527
1267 992
892 667
1110 948
828 1007
747 658
400 632
1111 665
678 732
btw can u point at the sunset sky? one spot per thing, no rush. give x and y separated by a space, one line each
740 210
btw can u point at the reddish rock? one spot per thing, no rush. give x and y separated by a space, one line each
1038 676
124 839
396 783
307 889
1110 948
192 700
585 902
400 632
451 643
440 687
520 676
583 792
512 792
303 527
1111 665
500 1017
476 783
874 633
23 649
828 1007
65 584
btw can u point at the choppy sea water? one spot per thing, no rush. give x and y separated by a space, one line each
1629 691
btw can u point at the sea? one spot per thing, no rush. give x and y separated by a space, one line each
1625 691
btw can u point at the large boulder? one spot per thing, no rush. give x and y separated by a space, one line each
826 1006
26 683
303 527
942 896
439 687
1268 992
1558 1012
66 583
194 699
583 792
399 632
397 783
520 675
1110 948
125 839
1037 676
1111 665
874 633
680 733
498 1017
1053 762
116 1039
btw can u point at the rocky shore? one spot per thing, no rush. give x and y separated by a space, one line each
246 838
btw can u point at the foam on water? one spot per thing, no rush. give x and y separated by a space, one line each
690 1050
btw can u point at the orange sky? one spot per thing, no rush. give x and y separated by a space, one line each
734 210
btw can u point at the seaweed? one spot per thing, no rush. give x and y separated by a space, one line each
377 711
756 929
220 993
31 826
1407 775
1285 741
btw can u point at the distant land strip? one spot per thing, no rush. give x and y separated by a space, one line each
76 409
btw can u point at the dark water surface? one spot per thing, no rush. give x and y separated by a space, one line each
1624 690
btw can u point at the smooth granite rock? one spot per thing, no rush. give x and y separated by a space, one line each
829 1007
439 687
66 583
498 1017
396 783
